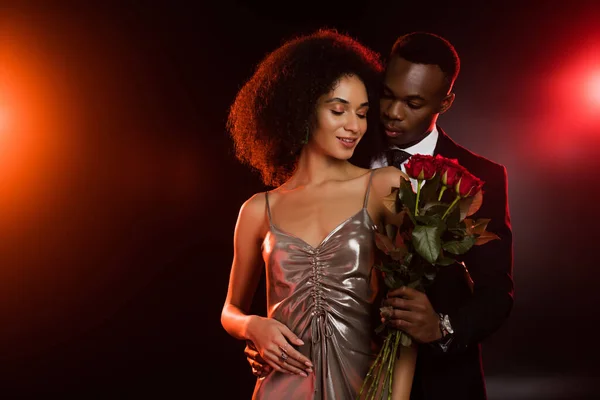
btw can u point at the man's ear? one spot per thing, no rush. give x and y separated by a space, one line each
447 102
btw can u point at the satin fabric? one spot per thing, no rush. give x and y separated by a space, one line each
325 295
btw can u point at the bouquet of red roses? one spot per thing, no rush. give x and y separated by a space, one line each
429 229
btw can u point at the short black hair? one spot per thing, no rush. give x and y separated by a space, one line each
429 48
272 113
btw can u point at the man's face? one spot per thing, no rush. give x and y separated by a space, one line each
413 96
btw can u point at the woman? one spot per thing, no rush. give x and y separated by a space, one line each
298 121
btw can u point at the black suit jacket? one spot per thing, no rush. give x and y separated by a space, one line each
458 373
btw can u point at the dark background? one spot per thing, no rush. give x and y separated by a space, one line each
119 192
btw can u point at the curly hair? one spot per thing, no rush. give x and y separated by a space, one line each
271 115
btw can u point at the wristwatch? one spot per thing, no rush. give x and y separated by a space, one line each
447 332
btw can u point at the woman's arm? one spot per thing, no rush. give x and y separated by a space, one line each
245 269
404 372
404 365
268 335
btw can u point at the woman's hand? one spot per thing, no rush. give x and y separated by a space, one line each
272 341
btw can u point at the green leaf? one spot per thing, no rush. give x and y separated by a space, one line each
389 280
407 196
459 247
408 258
444 261
391 267
414 284
380 328
460 232
398 253
384 268
427 242
453 219
435 208
430 190
432 220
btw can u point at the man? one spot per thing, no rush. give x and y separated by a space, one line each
452 319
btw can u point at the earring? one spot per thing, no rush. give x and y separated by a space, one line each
305 140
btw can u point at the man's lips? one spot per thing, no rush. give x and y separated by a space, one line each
392 128
393 132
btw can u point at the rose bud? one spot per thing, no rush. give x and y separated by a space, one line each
450 170
468 185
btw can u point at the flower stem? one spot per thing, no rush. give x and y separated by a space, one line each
392 362
370 373
442 192
419 181
451 207
386 353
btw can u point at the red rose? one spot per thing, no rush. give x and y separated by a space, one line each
421 167
468 184
449 169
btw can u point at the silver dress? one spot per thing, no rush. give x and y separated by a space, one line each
325 295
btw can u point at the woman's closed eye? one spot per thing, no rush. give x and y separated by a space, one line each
359 115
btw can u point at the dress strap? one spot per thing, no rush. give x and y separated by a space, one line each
268 207
368 189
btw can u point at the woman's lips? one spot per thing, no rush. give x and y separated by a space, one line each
347 142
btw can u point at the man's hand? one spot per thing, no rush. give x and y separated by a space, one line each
260 368
413 314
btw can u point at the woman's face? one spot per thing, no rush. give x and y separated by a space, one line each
341 118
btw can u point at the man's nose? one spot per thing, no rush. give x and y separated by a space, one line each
394 110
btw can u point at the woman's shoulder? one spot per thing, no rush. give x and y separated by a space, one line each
254 207
387 177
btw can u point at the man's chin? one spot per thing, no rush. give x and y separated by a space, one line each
403 139
400 140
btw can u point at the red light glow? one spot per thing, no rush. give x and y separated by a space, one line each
592 89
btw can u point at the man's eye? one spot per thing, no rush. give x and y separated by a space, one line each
414 106
386 96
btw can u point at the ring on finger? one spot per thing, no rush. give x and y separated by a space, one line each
283 356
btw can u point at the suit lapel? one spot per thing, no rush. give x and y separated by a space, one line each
445 146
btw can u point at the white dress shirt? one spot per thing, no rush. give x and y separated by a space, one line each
426 147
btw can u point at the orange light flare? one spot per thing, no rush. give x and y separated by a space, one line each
36 147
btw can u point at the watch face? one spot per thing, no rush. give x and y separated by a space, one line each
446 324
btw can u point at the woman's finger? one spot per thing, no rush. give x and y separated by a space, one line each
289 364
294 354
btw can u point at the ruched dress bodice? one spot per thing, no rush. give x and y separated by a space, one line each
325 295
